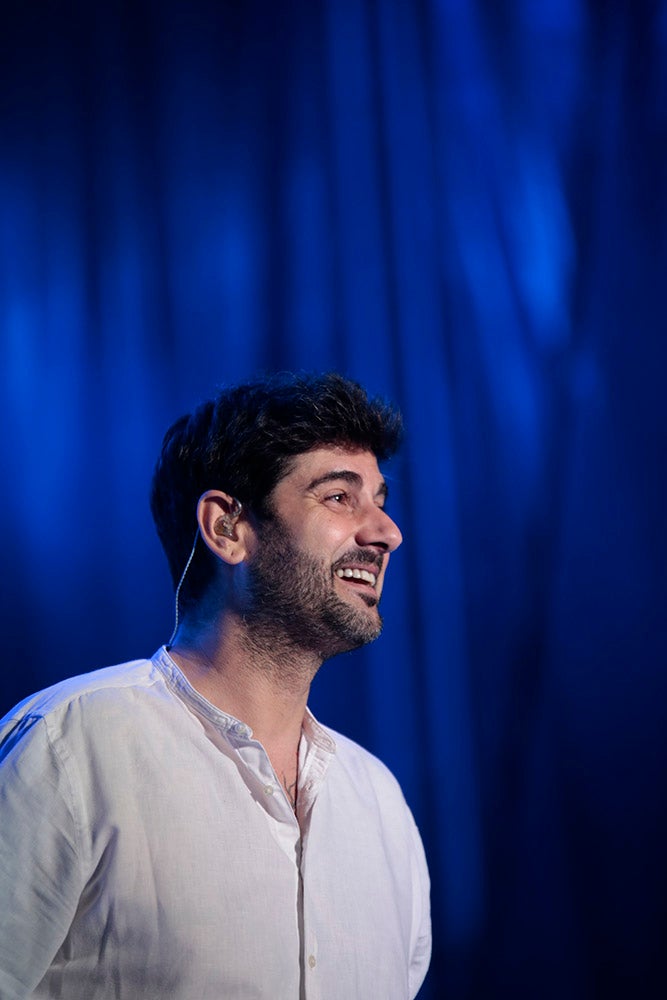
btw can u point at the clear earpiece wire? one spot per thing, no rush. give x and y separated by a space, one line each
178 590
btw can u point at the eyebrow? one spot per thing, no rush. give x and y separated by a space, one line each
347 476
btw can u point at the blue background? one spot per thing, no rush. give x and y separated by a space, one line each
461 204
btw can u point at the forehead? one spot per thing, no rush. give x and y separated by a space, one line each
310 466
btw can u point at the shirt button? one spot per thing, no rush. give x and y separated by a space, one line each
312 961
268 789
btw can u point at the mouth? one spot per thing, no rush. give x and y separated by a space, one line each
363 576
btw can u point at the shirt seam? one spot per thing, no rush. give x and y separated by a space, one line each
65 761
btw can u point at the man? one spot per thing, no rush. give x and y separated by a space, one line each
182 827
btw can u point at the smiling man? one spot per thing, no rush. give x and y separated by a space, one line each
182 827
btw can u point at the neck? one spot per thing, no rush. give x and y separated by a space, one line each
264 684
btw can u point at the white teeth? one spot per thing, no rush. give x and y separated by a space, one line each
357 574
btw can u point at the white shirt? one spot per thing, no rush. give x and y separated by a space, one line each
147 850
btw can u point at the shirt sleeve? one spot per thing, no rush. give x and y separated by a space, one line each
40 868
421 916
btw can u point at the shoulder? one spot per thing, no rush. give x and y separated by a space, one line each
95 695
363 768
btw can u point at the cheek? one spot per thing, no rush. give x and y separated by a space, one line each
327 539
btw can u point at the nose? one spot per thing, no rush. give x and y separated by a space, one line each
379 530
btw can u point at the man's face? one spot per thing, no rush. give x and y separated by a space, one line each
318 568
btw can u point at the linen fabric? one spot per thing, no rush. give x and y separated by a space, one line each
148 850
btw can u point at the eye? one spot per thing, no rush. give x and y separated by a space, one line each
339 497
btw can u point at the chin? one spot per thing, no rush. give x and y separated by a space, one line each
369 633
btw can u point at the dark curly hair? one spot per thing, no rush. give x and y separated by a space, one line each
243 442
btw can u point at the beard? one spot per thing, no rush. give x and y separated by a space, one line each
292 602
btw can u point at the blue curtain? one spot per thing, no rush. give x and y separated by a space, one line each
461 204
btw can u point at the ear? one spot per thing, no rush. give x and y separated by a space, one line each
222 526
